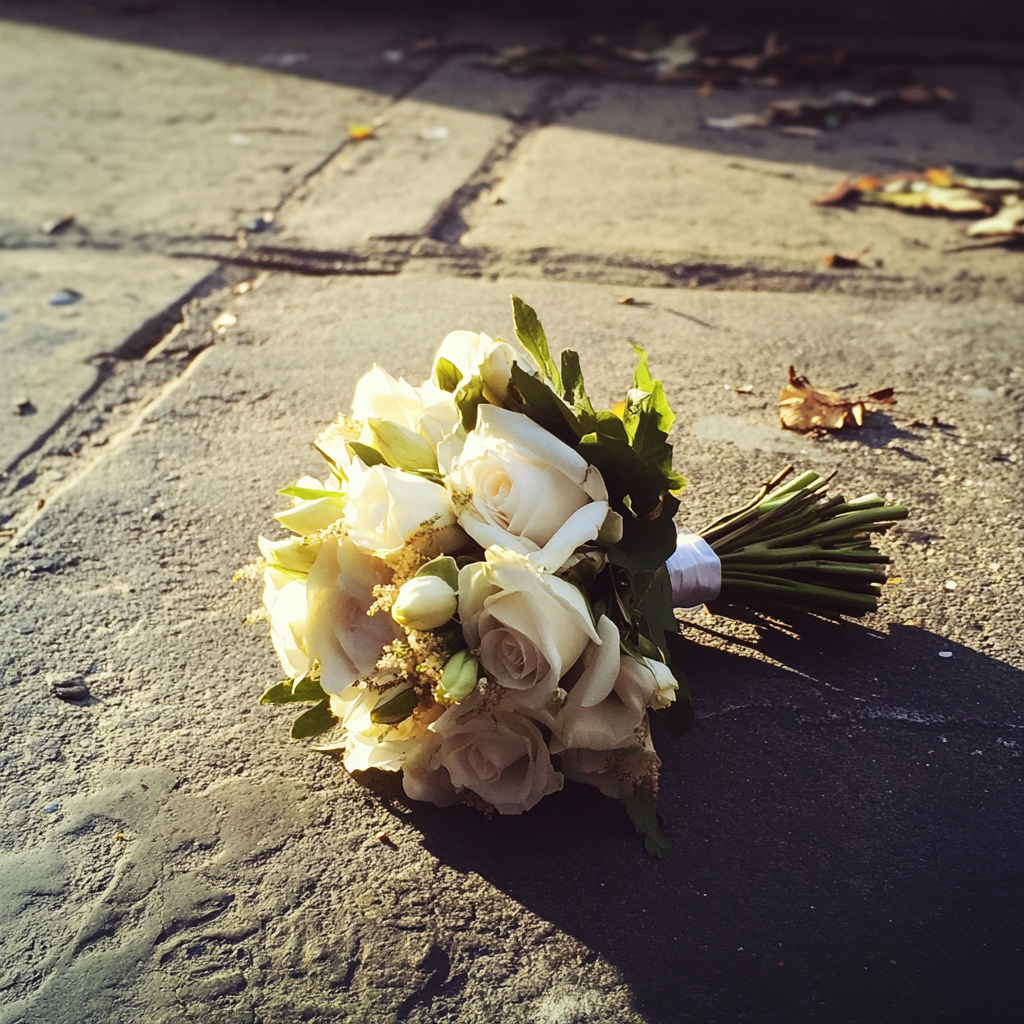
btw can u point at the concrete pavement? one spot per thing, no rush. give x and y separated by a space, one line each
846 813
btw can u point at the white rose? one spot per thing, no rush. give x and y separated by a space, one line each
386 507
498 755
428 410
309 515
518 486
529 626
368 744
284 597
424 780
476 355
609 701
339 633
616 773
294 555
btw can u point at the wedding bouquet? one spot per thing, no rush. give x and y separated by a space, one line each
480 592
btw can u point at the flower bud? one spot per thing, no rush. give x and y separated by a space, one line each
402 447
424 602
459 678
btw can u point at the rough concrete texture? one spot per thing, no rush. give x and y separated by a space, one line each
630 169
61 313
846 812
137 141
429 137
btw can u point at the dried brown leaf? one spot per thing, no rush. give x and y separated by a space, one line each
803 407
839 193
838 261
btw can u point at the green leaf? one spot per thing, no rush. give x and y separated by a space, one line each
446 375
653 599
643 380
607 424
313 722
287 692
370 456
534 340
308 493
642 808
649 543
679 716
575 393
625 474
395 710
468 399
444 567
531 396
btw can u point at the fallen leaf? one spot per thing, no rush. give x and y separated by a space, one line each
940 176
65 297
839 193
942 189
803 407
917 95
805 131
627 300
920 195
57 224
838 261
682 51
734 121
359 131
224 321
1008 221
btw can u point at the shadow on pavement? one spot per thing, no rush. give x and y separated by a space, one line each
846 847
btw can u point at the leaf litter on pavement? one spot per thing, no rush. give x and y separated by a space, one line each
695 57
999 201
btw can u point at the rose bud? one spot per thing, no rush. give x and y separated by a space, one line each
424 602
460 676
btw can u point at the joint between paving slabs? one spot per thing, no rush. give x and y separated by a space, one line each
130 379
449 224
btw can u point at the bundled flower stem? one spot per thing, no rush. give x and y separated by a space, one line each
794 548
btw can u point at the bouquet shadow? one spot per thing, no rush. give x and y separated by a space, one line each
843 822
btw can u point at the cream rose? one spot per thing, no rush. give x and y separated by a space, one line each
386 507
284 597
339 633
608 703
616 773
529 626
476 355
323 508
518 486
428 410
498 755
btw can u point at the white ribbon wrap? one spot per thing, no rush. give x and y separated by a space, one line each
695 571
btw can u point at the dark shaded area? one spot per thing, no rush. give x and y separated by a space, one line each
848 841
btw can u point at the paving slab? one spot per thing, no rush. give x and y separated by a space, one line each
145 144
846 813
60 313
430 144
632 169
